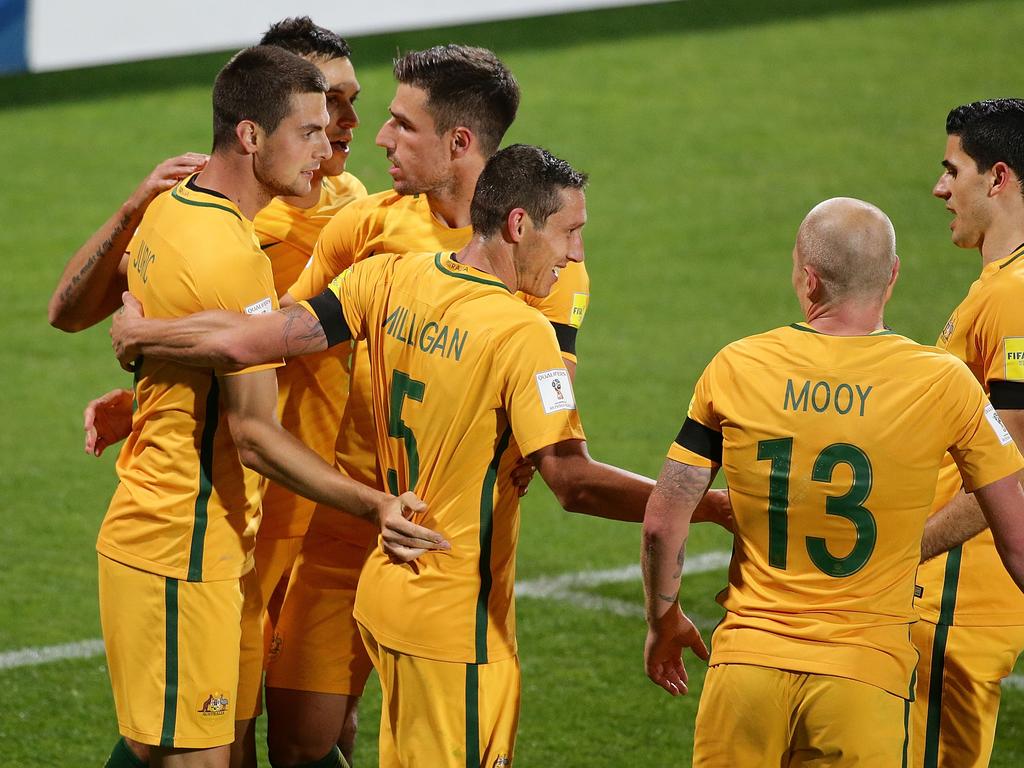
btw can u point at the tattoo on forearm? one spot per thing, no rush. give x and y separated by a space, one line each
98 254
303 333
680 559
667 598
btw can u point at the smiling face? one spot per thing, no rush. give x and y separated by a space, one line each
545 250
419 157
966 192
343 88
286 160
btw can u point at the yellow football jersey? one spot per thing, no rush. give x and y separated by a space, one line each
465 380
387 222
969 586
312 389
185 506
831 446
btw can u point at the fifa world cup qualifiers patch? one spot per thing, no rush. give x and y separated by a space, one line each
261 307
580 301
556 390
1013 356
997 425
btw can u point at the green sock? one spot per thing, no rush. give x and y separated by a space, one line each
123 757
332 759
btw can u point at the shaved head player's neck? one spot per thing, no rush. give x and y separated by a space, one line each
845 266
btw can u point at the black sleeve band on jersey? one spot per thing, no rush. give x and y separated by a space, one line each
327 308
1006 395
701 440
566 336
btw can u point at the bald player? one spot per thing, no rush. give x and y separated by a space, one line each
831 432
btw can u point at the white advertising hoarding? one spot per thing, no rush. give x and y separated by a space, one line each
62 34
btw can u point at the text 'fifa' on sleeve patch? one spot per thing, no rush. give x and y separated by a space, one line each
556 391
580 301
997 425
1013 355
261 307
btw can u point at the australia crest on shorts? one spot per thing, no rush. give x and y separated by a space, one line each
214 704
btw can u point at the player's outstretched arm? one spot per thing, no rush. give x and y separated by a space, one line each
1003 505
107 420
679 490
227 341
265 446
90 287
590 487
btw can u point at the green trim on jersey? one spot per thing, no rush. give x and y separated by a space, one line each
947 609
473 278
1013 258
472 716
486 534
906 734
808 329
201 516
198 204
170 662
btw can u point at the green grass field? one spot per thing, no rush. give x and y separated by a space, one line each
709 128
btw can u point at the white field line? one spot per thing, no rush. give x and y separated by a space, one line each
562 588
29 657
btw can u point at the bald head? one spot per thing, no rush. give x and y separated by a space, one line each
851 246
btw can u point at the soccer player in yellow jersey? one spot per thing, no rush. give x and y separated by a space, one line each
452 106
176 545
465 380
972 619
311 390
831 433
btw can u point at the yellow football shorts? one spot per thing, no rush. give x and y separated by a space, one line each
274 559
316 646
958 688
442 714
172 653
752 716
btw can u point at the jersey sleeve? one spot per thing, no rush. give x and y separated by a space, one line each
336 248
536 389
1000 344
231 282
566 306
342 307
982 446
699 442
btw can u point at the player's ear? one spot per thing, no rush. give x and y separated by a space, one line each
1002 177
813 289
462 140
249 135
515 225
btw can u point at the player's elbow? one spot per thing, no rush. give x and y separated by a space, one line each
251 443
571 495
59 317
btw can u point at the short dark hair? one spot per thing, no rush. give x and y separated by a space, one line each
465 86
991 131
521 176
258 84
302 37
